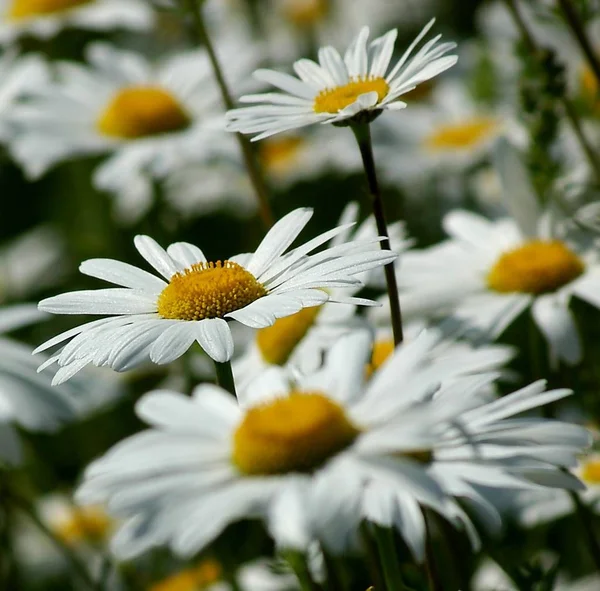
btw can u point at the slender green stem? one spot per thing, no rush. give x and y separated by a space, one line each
297 562
362 132
225 376
586 523
78 567
433 576
194 8
569 109
388 556
577 26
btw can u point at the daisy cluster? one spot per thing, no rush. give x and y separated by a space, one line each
336 320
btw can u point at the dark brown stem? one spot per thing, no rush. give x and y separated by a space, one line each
250 160
362 132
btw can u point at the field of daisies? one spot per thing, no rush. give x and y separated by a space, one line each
300 295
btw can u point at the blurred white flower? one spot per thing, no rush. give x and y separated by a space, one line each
149 317
315 456
340 90
45 18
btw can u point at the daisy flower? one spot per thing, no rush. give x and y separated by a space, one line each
313 457
489 272
341 91
151 317
45 18
300 340
147 116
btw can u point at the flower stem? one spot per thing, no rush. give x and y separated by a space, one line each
76 564
584 516
574 21
297 562
433 576
362 133
388 556
569 109
254 172
225 376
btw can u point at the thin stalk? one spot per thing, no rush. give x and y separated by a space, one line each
225 376
297 562
570 111
252 166
75 563
584 516
388 557
362 133
433 576
577 26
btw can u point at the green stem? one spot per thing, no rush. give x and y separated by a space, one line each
78 567
194 8
388 556
297 562
433 576
362 133
586 523
578 28
569 109
225 376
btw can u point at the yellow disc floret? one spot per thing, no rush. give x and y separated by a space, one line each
141 111
590 471
537 267
22 9
590 91
277 154
297 433
195 578
277 342
305 13
462 136
83 524
209 290
333 100
382 350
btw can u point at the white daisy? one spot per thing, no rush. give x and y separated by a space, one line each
489 272
340 90
151 317
315 456
299 341
45 18
148 116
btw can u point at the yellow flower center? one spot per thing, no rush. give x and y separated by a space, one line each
590 90
208 290
279 153
277 342
84 524
191 579
536 267
590 472
381 351
333 100
305 13
297 433
22 9
141 111
462 136
419 93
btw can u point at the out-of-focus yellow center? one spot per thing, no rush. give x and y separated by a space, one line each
590 471
83 524
536 267
419 93
195 578
590 90
277 154
381 352
462 136
297 433
208 290
305 13
277 342
141 111
333 100
23 9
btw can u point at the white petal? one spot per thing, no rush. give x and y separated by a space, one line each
186 254
122 274
101 301
156 256
173 342
215 338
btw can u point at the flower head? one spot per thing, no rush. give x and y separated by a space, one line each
341 91
151 317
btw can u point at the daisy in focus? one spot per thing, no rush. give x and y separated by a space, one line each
489 272
147 117
341 91
314 456
45 18
157 319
